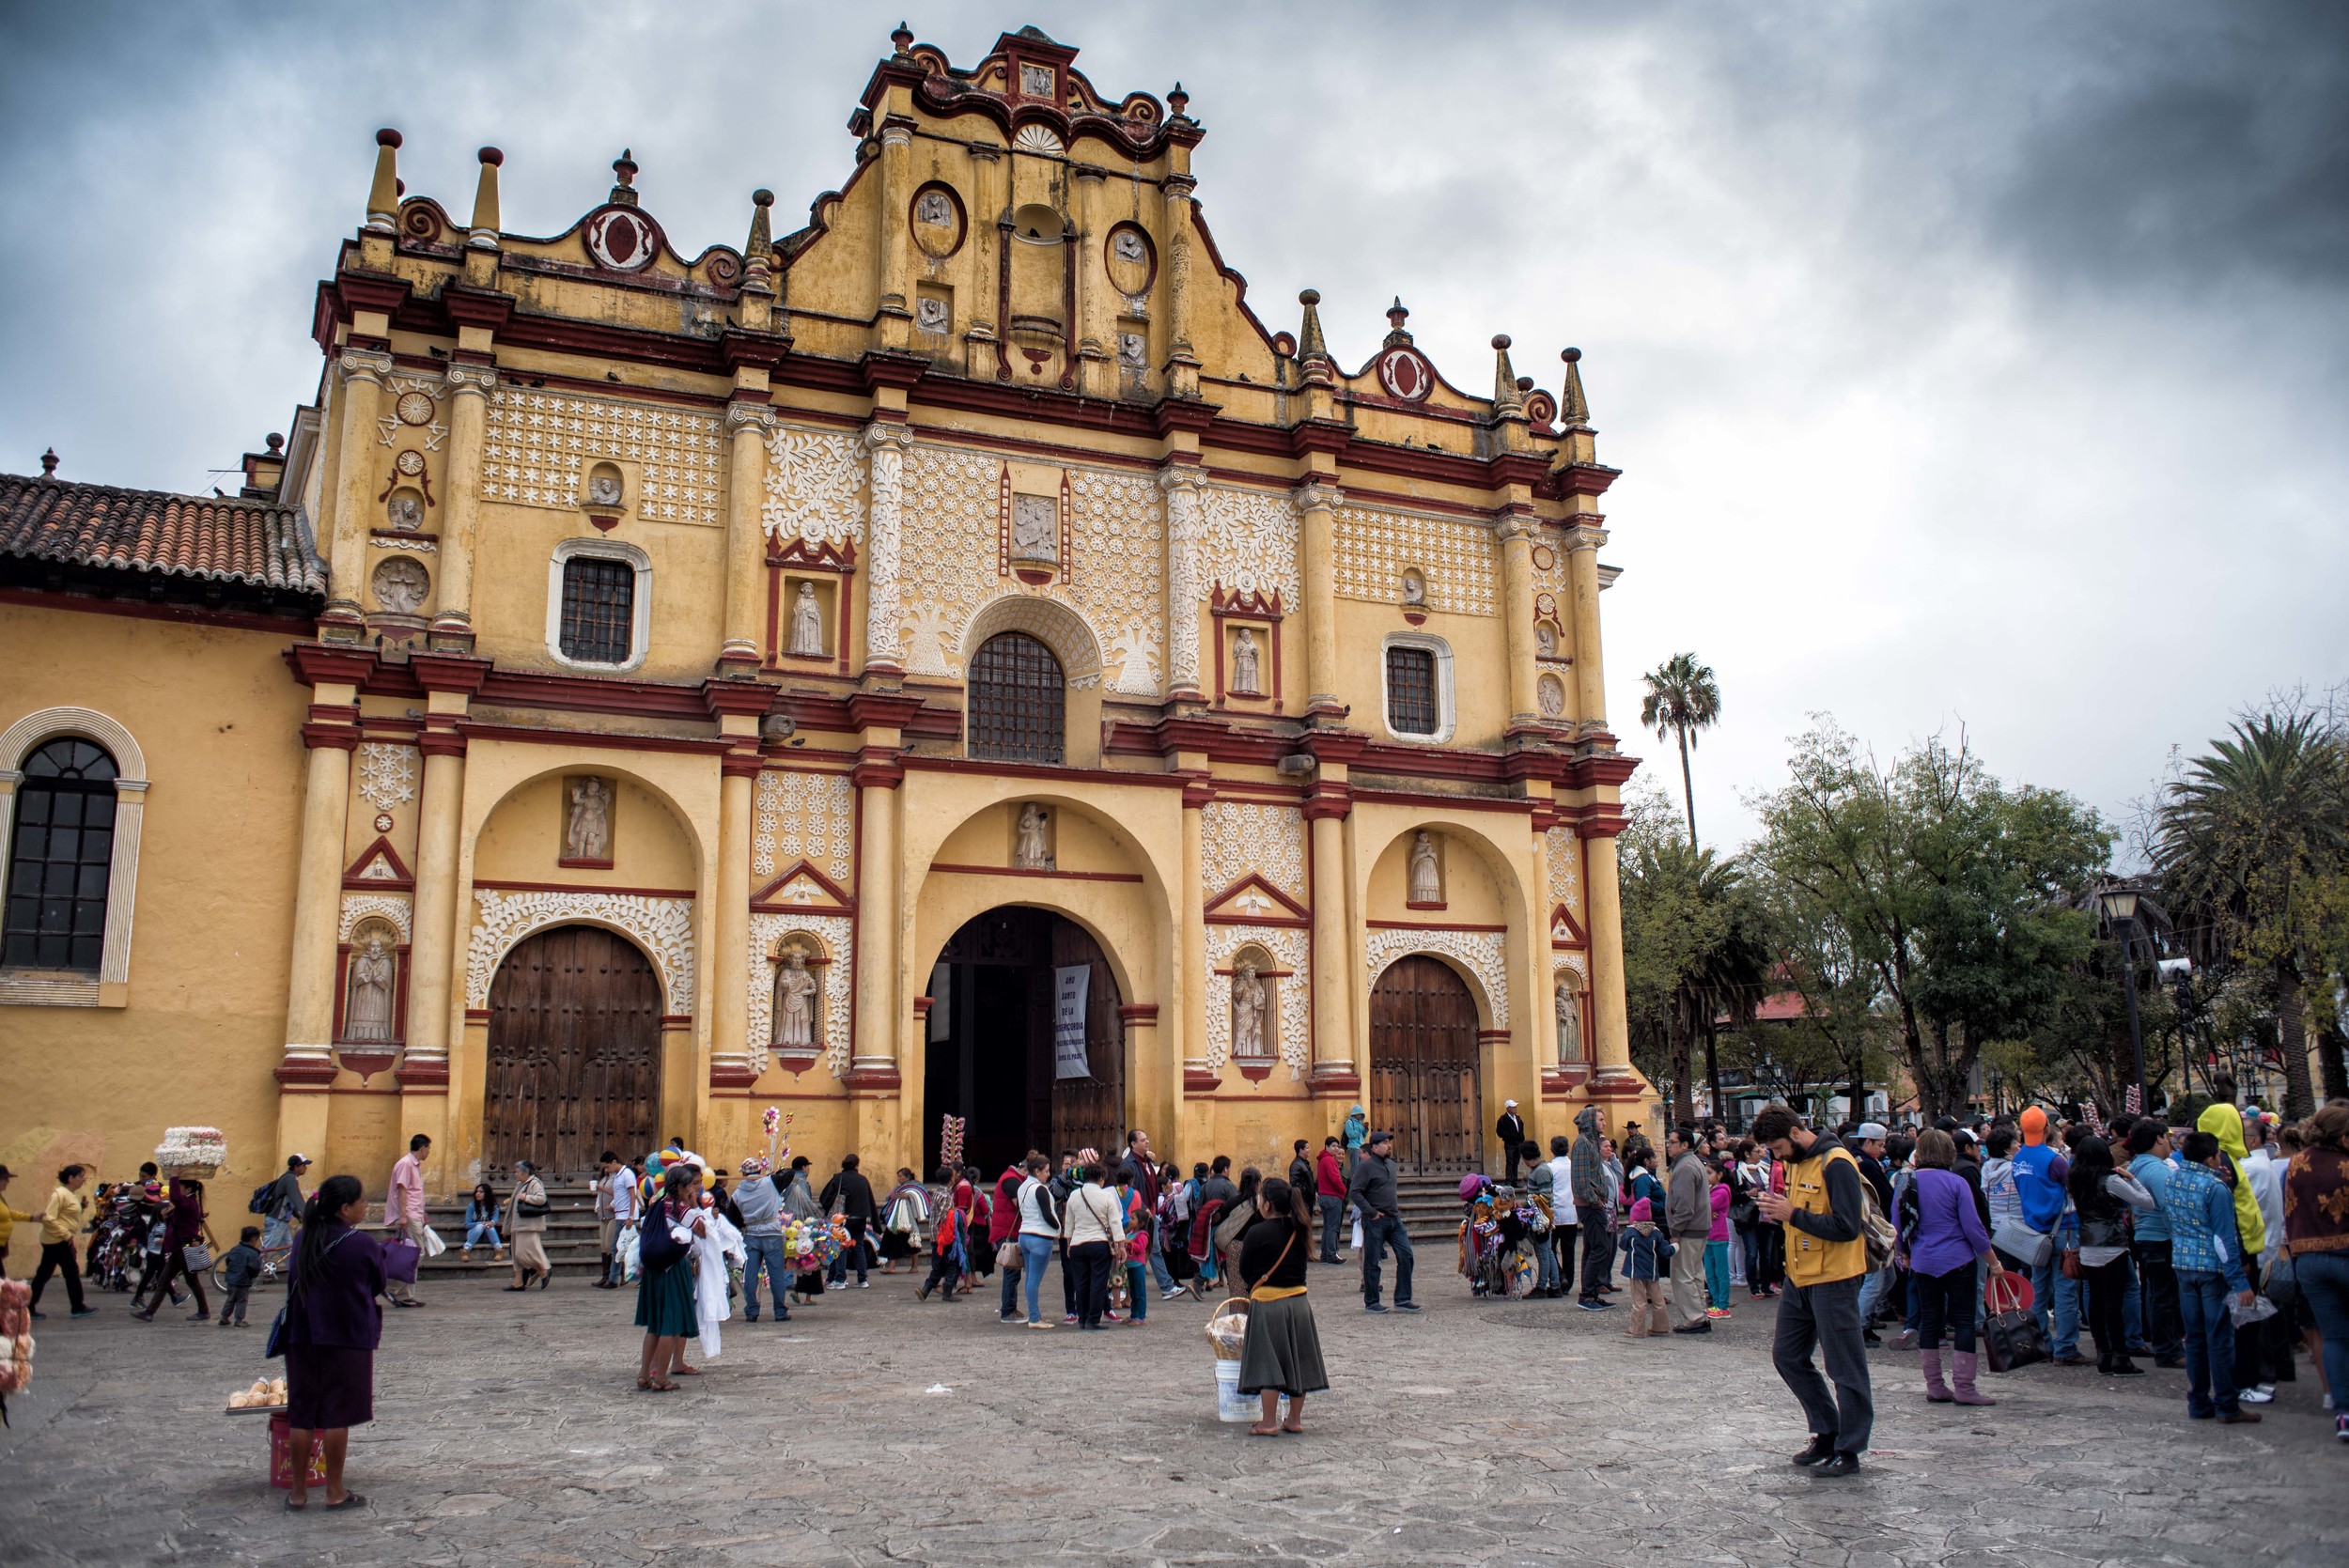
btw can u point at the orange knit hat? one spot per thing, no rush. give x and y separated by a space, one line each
2034 1124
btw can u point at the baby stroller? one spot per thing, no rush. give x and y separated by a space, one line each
1498 1239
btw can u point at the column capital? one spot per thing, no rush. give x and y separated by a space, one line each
1316 495
1578 537
1178 187
891 434
1184 479
471 380
364 365
754 417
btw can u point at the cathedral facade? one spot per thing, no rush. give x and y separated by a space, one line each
953 660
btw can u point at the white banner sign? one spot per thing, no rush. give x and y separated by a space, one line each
1071 988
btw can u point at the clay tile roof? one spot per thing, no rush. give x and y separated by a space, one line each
249 543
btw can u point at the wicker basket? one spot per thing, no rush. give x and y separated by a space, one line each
1238 1306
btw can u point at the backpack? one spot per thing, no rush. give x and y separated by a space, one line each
261 1202
1875 1229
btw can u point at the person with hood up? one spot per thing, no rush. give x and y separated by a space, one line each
1356 1133
1590 1197
2224 1122
1647 1260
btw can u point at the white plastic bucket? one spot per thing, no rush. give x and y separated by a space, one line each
1232 1406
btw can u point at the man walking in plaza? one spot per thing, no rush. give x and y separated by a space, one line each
1689 1220
403 1211
761 1205
1374 1195
1826 1254
618 1189
285 1203
1329 1194
1142 1170
1564 1225
1591 1197
1510 1129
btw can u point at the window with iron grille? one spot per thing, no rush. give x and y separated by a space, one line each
598 610
1018 701
1411 706
60 853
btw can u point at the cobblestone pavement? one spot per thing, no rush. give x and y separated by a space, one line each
871 1429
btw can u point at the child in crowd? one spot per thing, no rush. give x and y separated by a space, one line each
1647 1263
240 1267
1717 1242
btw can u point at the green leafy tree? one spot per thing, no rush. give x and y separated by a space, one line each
1682 699
2251 844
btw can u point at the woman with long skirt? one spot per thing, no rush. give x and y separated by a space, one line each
1282 1354
332 1327
665 1284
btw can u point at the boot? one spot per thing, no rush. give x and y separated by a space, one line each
1963 1377
1936 1391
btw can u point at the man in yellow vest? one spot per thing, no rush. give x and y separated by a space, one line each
1827 1256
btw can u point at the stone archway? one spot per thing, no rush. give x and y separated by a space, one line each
574 1052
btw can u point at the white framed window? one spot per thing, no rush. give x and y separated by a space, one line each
73 801
1415 688
599 604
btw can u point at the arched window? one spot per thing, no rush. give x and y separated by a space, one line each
60 851
1018 701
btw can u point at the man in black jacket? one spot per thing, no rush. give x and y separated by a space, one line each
855 1197
1372 1192
1510 1129
1145 1175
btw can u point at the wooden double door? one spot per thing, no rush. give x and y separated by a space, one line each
574 1054
1423 1085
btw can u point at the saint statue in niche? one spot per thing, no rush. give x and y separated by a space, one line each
1131 349
1244 676
589 835
1127 246
1034 528
1551 692
368 1010
1426 883
1249 1000
1570 1022
404 511
931 314
807 624
1414 587
795 1003
932 206
1546 641
400 585
1032 853
603 489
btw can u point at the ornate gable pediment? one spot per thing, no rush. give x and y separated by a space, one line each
379 867
803 887
1254 901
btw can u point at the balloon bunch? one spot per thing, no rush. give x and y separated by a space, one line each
656 1171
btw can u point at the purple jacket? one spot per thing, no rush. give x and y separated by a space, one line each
1948 1230
339 1309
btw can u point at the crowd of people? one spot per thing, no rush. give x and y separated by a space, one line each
2217 1249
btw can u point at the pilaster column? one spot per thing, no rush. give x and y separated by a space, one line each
362 372
1094 331
332 735
748 425
1611 1053
1182 372
893 322
432 952
1582 543
468 423
1326 811
1191 984
874 1053
1516 584
730 965
1183 503
1316 502
886 443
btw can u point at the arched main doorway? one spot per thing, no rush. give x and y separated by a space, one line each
1422 1066
990 1057
574 1051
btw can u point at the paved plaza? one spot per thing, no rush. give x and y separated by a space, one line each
873 1430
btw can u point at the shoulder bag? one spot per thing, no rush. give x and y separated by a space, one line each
2010 1335
530 1211
196 1257
1258 1283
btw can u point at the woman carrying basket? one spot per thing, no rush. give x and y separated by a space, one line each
1282 1354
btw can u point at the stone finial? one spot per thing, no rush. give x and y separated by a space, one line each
485 202
1506 399
1311 345
1396 316
383 195
624 166
903 38
276 444
1574 410
758 251
1176 102
48 463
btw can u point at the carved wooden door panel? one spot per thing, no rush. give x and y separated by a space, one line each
1424 1083
574 1052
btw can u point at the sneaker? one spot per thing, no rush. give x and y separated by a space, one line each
1374 1307
1716 1312
2256 1396
2340 1427
1070 1318
1171 1293
83 1311
865 1284
1043 1325
1592 1304
1406 1306
2266 1387
1693 1328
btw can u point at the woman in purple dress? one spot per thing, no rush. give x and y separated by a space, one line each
333 1326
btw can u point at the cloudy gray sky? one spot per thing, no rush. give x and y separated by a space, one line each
1974 363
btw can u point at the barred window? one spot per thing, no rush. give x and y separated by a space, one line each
598 610
1411 705
60 854
1018 701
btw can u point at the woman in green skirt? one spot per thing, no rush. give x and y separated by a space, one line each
1282 1354
664 1287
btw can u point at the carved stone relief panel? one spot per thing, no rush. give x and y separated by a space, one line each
1374 547
540 445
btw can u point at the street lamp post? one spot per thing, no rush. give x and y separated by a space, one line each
2120 905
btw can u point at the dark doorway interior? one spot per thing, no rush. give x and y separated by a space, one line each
989 1057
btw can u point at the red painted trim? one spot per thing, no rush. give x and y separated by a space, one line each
1437 904
1428 926
1023 871
304 625
582 887
1196 1082
1520 806
1255 879
529 734
763 899
1142 1014
1286 922
917 763
405 881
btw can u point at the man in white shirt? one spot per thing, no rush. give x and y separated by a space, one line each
616 1208
1563 1221
2266 1173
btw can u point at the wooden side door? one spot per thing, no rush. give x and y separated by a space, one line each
574 1048
1090 1113
1424 1066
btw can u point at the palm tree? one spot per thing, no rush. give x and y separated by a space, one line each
2249 842
1681 700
